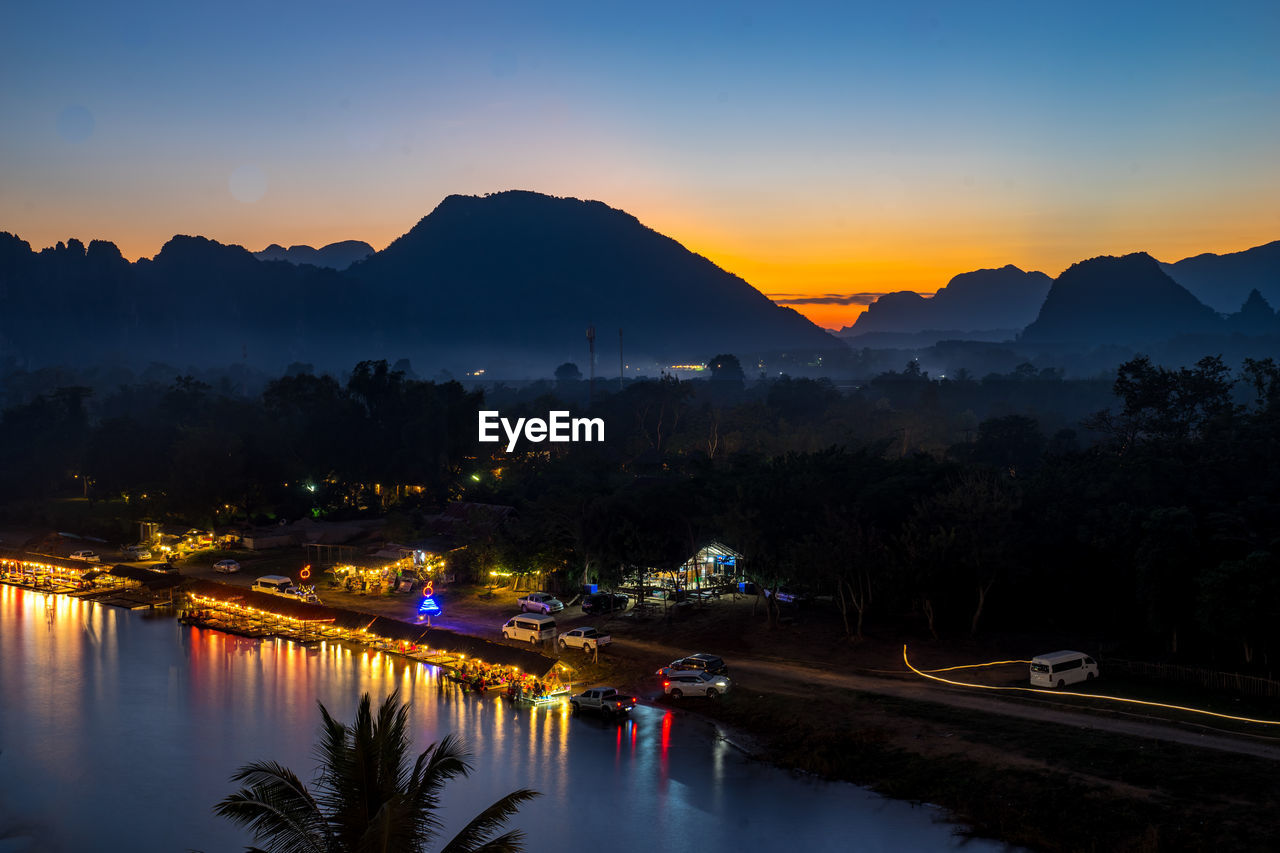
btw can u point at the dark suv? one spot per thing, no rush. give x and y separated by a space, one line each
604 602
710 664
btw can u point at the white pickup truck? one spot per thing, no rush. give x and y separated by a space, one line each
540 602
584 638
606 700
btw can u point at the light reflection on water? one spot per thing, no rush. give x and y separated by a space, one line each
120 731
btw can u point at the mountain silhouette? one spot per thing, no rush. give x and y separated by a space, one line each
1223 282
509 281
531 272
1127 300
337 256
983 300
1255 317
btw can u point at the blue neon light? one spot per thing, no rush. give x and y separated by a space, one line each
428 607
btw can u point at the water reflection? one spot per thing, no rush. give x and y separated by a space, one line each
111 722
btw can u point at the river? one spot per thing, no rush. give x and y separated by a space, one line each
119 731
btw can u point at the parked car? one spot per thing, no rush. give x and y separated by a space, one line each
540 602
605 700
582 638
87 556
275 585
530 629
1059 669
604 602
227 567
692 683
136 552
696 663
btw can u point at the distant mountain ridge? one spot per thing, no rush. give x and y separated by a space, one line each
336 256
511 279
1125 299
982 300
1223 282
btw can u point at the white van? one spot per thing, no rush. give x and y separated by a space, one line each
1058 669
530 628
274 584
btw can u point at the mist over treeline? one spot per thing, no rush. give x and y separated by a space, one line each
1140 513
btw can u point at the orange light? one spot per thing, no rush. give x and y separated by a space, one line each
923 674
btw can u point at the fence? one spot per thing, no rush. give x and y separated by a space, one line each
1247 684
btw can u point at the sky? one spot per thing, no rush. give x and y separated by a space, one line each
825 152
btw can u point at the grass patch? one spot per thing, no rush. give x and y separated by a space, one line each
1047 787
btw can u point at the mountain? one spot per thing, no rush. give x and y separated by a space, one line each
508 282
337 256
1223 282
528 273
986 300
1255 317
1127 300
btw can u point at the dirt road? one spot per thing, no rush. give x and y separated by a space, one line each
760 674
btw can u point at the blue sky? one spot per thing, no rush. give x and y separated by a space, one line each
811 148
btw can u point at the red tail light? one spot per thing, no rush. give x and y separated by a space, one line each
666 684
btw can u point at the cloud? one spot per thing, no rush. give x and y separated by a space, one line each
828 299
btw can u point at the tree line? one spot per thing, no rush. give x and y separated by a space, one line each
1151 521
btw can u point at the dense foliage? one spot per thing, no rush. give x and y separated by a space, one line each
1142 510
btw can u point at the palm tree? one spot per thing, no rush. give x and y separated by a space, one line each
366 797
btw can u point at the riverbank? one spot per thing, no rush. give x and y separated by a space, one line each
1060 784
1039 785
176 710
999 775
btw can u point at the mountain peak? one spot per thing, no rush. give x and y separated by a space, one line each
1224 281
1125 299
336 256
1004 298
558 265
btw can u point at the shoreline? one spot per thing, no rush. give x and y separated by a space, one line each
991 776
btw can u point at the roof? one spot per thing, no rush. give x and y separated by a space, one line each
150 579
45 559
1057 656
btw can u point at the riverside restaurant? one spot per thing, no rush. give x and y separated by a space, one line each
235 610
131 587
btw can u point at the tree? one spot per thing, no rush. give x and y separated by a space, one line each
366 796
960 538
1161 405
849 554
1013 444
726 368
1238 601
568 372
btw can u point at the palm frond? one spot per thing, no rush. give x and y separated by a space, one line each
277 807
476 834
391 733
337 787
368 799
507 842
